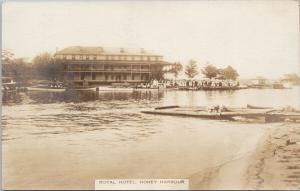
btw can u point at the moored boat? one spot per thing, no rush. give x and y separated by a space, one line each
45 89
8 85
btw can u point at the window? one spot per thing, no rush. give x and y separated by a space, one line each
87 57
82 76
144 67
148 58
93 76
64 57
95 57
80 57
106 77
73 57
132 77
124 77
70 76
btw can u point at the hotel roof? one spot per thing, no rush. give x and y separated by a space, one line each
88 50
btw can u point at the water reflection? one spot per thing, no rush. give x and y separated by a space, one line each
78 96
12 98
264 97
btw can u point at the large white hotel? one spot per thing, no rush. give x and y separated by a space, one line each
92 66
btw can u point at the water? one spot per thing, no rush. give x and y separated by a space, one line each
55 140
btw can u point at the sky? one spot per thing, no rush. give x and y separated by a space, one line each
257 38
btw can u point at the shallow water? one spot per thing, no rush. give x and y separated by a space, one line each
55 140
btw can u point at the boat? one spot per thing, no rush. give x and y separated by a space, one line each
223 88
113 88
52 86
257 107
213 88
116 89
167 107
8 85
33 88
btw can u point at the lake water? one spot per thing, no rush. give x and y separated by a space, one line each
66 140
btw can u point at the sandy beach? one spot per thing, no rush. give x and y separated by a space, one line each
275 164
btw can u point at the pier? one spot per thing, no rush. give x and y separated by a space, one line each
268 114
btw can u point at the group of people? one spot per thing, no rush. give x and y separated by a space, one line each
203 83
198 84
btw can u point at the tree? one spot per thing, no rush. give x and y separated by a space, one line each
45 66
157 72
18 69
176 68
293 78
191 70
210 71
228 73
7 56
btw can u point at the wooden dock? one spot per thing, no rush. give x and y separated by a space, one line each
269 114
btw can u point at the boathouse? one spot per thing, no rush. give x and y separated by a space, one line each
93 66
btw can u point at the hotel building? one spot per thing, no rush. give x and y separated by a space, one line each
92 66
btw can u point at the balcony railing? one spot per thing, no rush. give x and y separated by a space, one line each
106 70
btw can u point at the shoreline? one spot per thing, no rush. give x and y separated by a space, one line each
277 165
274 164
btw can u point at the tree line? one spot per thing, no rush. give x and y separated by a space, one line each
43 67
209 71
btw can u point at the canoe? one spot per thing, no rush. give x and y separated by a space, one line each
167 107
257 107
